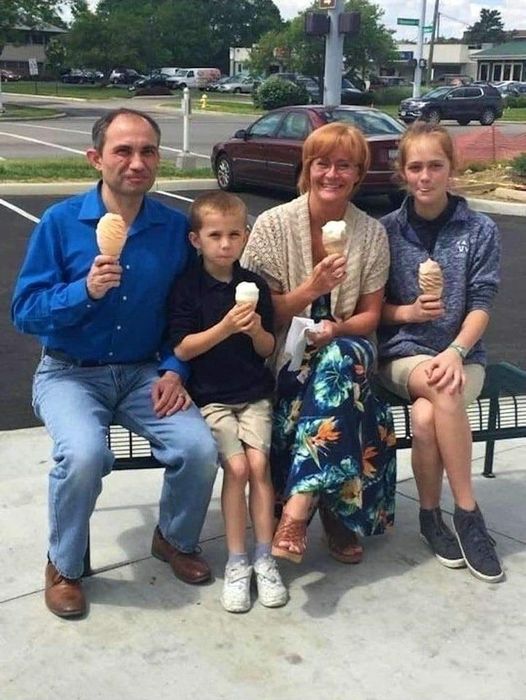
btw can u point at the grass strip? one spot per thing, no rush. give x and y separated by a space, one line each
57 89
22 112
72 168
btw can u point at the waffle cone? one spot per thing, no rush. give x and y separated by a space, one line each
111 234
430 278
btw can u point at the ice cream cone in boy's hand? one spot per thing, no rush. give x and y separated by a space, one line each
334 237
430 278
247 292
111 234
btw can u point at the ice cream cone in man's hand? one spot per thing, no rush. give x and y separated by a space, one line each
111 234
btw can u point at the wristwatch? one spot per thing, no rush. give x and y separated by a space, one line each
462 351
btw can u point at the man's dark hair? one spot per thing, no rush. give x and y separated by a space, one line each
98 132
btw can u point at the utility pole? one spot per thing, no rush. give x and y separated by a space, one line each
332 81
419 51
434 35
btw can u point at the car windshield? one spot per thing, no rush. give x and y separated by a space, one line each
370 122
437 92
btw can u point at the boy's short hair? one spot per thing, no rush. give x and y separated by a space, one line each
217 202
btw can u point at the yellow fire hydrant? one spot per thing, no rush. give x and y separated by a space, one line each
204 100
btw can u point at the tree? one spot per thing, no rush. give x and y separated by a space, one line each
55 56
27 11
373 45
489 27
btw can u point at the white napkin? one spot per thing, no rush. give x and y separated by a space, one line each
296 340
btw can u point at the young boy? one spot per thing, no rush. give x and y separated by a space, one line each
226 344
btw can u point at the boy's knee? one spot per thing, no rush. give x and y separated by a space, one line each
237 468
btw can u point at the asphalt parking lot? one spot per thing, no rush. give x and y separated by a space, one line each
505 339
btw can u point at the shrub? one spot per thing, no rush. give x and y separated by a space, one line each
275 92
514 102
391 95
519 165
154 91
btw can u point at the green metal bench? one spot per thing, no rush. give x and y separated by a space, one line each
498 414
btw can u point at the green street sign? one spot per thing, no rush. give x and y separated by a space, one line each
428 29
407 22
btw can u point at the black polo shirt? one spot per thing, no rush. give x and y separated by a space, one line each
231 371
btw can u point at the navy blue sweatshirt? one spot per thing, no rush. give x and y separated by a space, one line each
467 249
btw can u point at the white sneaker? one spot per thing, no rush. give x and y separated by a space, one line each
271 591
236 588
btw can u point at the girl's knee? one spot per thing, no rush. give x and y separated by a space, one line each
422 419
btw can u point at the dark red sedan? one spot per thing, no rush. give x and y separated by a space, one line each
268 153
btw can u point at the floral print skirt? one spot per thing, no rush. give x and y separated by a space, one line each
332 437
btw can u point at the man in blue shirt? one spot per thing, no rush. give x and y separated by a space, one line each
101 322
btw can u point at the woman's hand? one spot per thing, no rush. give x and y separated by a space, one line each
328 274
426 307
323 336
447 371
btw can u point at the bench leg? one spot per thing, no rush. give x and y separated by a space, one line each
490 444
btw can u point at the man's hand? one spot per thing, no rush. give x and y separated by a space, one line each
104 274
239 319
427 307
446 371
328 274
169 395
323 336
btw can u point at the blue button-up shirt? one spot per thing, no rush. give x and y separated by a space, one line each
128 324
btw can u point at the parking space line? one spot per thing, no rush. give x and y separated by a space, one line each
17 210
175 196
42 143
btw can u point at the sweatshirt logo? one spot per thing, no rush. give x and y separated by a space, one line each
462 246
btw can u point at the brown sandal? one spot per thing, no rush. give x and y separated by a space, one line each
293 532
344 545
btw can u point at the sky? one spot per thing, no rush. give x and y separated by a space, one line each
463 14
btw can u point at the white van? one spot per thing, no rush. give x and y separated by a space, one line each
194 78
170 71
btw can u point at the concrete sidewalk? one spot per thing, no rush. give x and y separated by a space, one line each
399 626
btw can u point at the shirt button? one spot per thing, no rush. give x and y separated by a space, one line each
125 298
110 354
127 267
88 306
119 327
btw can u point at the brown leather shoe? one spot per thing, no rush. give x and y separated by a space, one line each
64 596
189 567
344 545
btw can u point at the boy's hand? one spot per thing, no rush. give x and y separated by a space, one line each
426 307
254 326
239 318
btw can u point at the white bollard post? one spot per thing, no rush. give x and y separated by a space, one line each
184 159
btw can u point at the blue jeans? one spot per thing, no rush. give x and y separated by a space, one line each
77 404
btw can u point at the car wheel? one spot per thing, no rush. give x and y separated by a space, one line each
237 91
463 122
225 173
487 117
433 116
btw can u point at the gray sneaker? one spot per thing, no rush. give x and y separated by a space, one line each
271 591
236 588
443 543
476 544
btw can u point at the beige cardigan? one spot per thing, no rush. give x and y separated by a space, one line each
280 250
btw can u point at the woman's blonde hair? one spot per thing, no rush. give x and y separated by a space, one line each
323 141
419 130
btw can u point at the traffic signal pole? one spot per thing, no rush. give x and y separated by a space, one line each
419 51
332 82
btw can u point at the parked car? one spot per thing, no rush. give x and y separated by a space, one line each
81 76
214 86
311 85
155 79
238 84
268 153
464 104
124 76
452 79
384 81
194 78
9 76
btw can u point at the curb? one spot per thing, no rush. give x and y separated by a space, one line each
71 187
58 115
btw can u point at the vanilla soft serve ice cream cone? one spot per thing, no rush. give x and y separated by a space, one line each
111 234
430 278
247 292
334 237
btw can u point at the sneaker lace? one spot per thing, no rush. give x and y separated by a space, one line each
237 574
479 537
268 570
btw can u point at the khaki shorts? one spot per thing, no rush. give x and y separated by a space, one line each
394 375
239 424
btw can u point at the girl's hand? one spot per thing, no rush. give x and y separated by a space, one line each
328 274
447 371
324 336
426 307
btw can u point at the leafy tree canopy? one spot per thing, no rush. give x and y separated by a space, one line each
489 27
28 12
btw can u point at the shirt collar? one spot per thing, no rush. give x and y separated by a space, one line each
93 208
211 282
461 212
